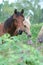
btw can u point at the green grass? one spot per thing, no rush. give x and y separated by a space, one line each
15 50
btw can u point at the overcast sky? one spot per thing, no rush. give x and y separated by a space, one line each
10 1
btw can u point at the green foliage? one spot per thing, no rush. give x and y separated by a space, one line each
31 8
14 52
6 10
35 30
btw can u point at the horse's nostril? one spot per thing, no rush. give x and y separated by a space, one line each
20 32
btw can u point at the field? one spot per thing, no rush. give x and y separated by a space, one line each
17 50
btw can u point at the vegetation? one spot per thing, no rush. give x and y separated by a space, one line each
15 50
31 8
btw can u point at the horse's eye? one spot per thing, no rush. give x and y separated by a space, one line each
25 26
23 19
15 20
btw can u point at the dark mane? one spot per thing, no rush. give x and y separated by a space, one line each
8 22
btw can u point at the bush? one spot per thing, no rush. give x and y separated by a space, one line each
14 52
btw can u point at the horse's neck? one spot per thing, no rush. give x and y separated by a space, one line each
8 22
12 30
9 19
9 26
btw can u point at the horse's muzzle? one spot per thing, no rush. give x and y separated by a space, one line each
20 32
29 35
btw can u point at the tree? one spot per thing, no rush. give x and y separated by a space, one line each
6 10
31 7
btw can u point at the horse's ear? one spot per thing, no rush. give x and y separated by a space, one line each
22 11
15 11
29 18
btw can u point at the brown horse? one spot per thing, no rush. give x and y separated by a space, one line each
26 27
13 25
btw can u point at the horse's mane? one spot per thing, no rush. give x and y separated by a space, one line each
8 22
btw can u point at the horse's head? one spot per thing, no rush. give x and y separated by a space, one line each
18 18
27 26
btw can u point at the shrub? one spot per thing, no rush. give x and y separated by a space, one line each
14 52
